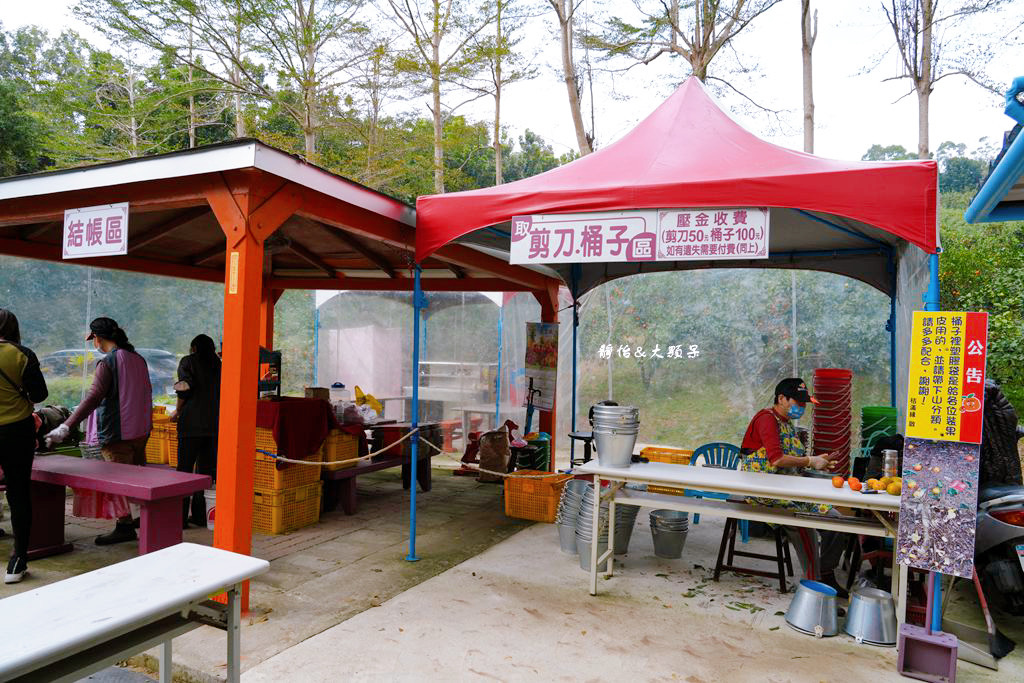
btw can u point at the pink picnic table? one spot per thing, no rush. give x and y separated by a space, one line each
157 490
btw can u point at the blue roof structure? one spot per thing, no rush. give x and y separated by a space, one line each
1001 197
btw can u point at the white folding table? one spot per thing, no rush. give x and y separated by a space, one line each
67 630
883 507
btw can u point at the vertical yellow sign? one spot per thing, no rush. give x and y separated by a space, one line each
946 379
233 273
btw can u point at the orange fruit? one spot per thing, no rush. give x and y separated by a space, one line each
855 484
878 485
895 488
837 482
871 483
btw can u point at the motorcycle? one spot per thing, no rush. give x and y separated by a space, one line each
999 538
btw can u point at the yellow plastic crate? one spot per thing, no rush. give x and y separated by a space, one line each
157 448
269 474
340 446
278 512
535 499
673 456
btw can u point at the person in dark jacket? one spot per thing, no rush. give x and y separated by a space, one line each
197 413
21 387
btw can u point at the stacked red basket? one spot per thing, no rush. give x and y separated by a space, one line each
833 388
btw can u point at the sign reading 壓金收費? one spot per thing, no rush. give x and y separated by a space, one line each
96 231
946 382
645 235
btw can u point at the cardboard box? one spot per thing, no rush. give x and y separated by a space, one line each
318 392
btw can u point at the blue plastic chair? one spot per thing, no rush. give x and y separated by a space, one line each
726 456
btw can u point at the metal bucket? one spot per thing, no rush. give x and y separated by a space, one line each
584 551
668 530
813 610
625 521
872 618
567 538
614 447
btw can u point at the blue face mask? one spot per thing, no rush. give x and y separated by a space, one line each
796 412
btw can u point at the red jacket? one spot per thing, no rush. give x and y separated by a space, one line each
763 432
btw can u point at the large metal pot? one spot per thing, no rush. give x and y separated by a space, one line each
614 446
813 610
872 617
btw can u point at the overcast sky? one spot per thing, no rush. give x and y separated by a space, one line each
854 109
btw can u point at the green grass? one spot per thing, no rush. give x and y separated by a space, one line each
700 411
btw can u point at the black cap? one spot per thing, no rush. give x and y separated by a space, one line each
102 327
794 387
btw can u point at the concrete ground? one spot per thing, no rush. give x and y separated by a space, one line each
486 602
321 575
520 611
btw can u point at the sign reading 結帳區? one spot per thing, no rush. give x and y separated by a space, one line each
645 235
96 231
946 387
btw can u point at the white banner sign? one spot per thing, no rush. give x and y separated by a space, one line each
96 231
646 235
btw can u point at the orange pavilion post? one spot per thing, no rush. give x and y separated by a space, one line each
548 299
247 222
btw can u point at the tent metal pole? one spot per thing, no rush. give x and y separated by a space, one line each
497 379
891 326
417 296
931 298
316 343
575 357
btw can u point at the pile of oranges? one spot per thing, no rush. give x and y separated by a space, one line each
891 485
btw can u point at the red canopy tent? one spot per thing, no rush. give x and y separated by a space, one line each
689 153
872 221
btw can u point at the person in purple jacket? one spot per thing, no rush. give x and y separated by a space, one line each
119 409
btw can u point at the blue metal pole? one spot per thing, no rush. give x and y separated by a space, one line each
497 380
316 343
892 330
931 298
575 347
417 296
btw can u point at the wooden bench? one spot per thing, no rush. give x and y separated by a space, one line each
157 490
341 484
68 630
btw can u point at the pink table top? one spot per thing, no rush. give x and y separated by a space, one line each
140 483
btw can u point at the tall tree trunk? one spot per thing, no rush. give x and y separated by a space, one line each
808 34
923 83
438 123
191 95
499 176
565 19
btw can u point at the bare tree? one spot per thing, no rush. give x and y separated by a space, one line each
440 32
697 30
565 10
808 34
924 29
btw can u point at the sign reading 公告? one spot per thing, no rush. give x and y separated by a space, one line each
946 388
96 231
646 235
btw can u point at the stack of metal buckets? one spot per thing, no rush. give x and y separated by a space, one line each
575 522
669 529
615 430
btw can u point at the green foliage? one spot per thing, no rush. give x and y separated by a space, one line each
982 269
887 153
21 135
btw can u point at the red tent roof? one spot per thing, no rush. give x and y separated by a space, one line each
689 153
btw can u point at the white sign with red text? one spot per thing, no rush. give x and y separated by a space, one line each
645 235
96 231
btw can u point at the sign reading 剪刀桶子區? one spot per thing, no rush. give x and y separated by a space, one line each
701 234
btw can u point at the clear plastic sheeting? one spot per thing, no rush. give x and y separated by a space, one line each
912 279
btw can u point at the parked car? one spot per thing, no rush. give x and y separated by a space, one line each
163 365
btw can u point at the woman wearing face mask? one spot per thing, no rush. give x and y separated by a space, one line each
772 445
119 410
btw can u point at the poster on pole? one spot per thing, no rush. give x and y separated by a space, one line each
938 506
946 382
96 231
692 234
541 363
